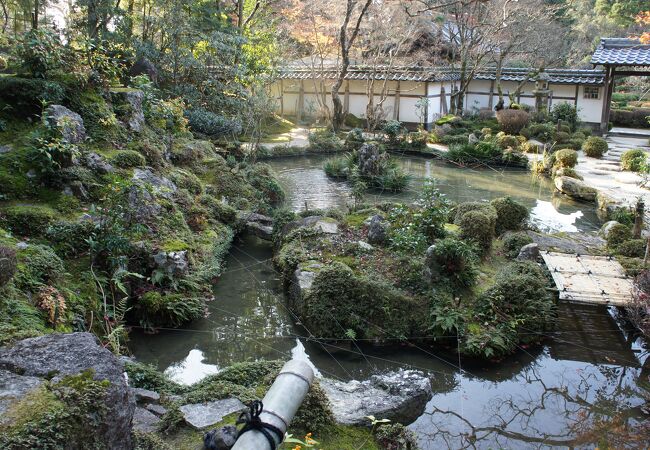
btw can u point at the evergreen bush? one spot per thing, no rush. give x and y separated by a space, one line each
478 227
511 215
513 242
512 121
634 160
566 158
595 147
128 159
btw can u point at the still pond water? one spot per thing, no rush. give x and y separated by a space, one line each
546 397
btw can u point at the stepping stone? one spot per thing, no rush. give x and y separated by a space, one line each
145 395
145 421
201 415
157 410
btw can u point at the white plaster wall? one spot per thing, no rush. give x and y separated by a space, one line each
590 110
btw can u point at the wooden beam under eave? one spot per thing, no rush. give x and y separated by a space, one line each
607 98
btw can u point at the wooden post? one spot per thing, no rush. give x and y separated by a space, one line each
426 105
443 100
397 102
346 98
577 93
638 219
607 98
491 100
281 98
301 101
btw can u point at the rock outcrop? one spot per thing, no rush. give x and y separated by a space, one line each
529 252
370 160
377 230
173 264
398 396
575 188
68 122
201 415
31 362
128 103
324 225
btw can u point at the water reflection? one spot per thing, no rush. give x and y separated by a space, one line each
191 369
307 184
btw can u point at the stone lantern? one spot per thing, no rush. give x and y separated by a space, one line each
541 91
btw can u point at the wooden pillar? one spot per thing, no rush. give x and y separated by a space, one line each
426 105
301 101
607 98
491 100
397 102
443 100
281 98
346 98
577 94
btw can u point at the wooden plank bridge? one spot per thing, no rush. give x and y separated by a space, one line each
589 279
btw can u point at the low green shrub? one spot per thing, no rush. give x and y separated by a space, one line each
394 131
27 220
623 215
128 159
147 376
354 139
337 167
454 140
575 143
24 95
511 215
566 158
37 265
565 172
634 160
211 124
634 248
506 140
262 177
184 179
567 113
393 180
454 259
155 309
513 242
70 239
635 117
542 131
478 227
219 210
512 121
396 436
618 234
463 208
561 137
325 141
595 147
529 147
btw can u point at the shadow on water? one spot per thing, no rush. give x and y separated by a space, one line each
552 395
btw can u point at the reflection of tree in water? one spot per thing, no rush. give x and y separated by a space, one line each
593 408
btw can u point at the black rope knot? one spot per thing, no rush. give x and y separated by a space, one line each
251 420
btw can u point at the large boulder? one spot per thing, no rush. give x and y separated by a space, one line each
69 123
606 228
30 362
128 104
97 163
398 396
325 225
173 264
575 188
529 252
160 185
370 159
302 282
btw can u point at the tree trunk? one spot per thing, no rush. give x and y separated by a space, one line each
37 6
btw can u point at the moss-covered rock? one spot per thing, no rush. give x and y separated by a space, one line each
27 220
127 159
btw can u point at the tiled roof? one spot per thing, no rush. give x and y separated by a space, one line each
555 76
422 74
622 52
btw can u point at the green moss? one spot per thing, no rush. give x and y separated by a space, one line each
127 159
67 414
337 437
27 220
37 265
174 245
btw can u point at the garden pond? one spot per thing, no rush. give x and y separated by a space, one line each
566 393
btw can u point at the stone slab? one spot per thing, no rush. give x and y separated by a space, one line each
201 415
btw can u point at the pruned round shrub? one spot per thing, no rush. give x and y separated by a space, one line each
463 208
478 227
511 215
27 220
453 259
37 265
529 147
595 147
7 264
211 124
561 137
128 159
634 160
634 248
512 121
542 131
513 242
506 140
618 234
155 309
566 158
